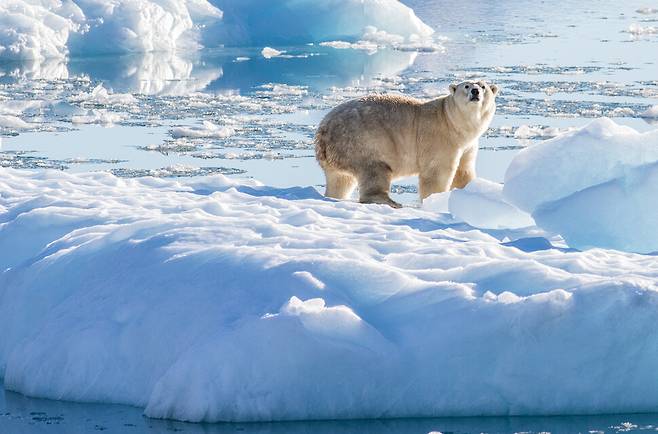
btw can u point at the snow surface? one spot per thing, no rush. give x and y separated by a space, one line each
213 299
595 186
41 29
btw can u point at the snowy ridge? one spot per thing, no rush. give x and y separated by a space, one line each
213 299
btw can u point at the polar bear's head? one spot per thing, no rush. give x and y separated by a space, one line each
476 95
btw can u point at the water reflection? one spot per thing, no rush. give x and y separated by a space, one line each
28 415
218 70
48 69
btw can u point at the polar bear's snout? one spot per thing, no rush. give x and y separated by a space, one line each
475 93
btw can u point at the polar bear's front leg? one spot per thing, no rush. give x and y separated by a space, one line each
438 179
466 170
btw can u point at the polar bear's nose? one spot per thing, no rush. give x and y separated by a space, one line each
475 92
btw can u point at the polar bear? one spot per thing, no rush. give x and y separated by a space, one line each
372 140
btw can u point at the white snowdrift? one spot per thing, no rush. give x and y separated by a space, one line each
210 300
591 186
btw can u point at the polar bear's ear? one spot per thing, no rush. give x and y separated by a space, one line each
453 88
494 89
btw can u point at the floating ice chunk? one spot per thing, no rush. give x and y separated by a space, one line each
13 123
18 107
206 130
650 113
269 52
481 204
100 95
175 171
622 112
538 132
647 11
638 30
94 116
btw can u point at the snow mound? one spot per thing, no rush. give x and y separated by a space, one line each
563 183
212 299
481 205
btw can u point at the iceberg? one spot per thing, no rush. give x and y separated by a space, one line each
214 299
289 22
42 29
595 186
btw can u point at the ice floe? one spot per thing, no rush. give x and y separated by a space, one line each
206 130
186 297
650 113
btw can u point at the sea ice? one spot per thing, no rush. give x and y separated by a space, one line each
269 52
650 113
206 130
215 299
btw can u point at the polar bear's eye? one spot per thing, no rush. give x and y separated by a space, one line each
466 86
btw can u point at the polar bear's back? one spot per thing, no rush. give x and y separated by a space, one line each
358 129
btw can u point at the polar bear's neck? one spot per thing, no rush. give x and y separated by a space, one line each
467 122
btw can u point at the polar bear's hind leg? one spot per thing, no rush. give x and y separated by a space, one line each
339 184
375 183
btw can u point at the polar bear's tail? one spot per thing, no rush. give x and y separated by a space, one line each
321 137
